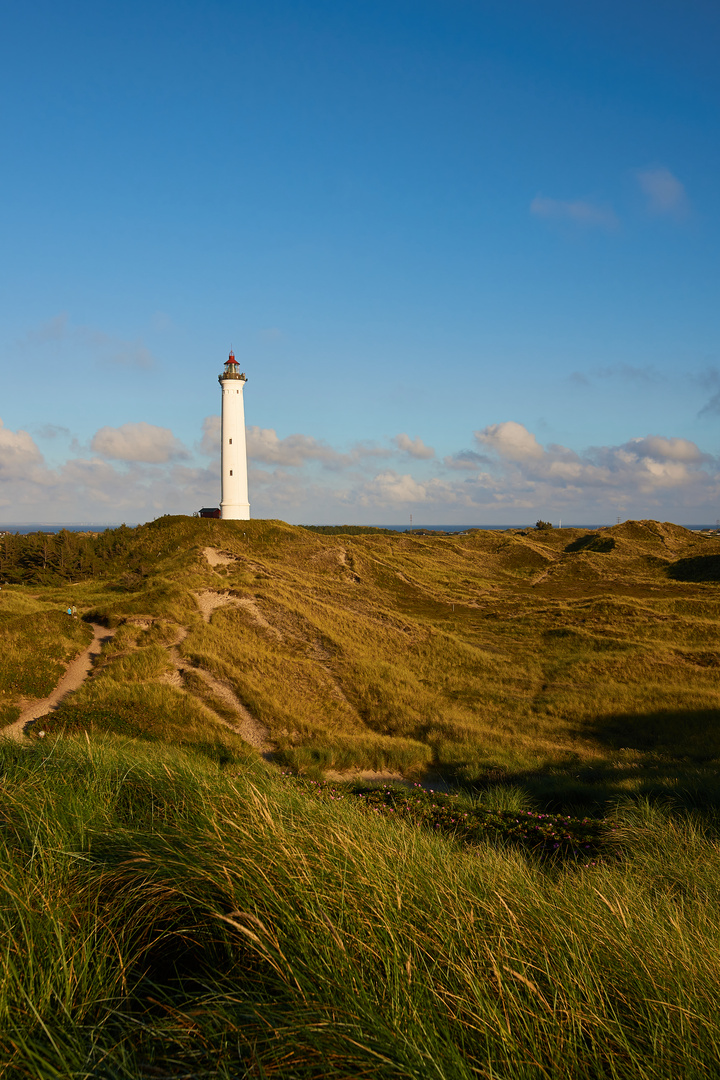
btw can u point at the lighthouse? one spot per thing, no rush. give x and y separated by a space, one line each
233 455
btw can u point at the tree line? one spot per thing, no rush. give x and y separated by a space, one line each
46 558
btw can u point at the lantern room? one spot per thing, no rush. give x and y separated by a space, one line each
230 371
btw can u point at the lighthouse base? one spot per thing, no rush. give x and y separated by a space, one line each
235 511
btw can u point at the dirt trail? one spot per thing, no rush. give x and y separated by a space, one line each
247 727
216 557
75 675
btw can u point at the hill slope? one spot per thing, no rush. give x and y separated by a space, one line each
476 657
171 905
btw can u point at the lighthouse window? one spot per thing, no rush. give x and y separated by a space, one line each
230 441
231 472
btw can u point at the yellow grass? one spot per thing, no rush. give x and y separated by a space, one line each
478 657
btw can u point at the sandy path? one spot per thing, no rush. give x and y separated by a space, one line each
247 726
218 558
75 675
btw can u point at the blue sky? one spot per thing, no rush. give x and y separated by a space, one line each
466 251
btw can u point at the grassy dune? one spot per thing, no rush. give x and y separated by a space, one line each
163 918
172 905
38 640
582 664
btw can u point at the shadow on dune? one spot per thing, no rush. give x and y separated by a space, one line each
592 542
684 734
665 754
696 568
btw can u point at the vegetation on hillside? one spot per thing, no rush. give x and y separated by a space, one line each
173 905
348 530
37 642
577 662
163 918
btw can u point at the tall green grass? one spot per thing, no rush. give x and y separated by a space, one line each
171 907
159 916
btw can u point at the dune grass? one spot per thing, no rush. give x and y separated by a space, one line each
508 656
149 712
161 916
38 639
533 656
172 906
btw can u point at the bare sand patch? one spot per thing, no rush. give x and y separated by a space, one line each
216 557
251 606
210 601
247 726
428 783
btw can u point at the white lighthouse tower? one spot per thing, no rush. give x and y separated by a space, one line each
233 456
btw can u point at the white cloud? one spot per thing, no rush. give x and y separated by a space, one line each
652 475
510 440
653 463
209 445
93 490
437 496
414 447
662 449
578 211
133 472
665 194
18 453
265 445
138 442
391 488
105 348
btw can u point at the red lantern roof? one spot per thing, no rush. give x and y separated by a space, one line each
231 359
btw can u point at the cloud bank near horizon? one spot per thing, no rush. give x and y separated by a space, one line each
138 471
